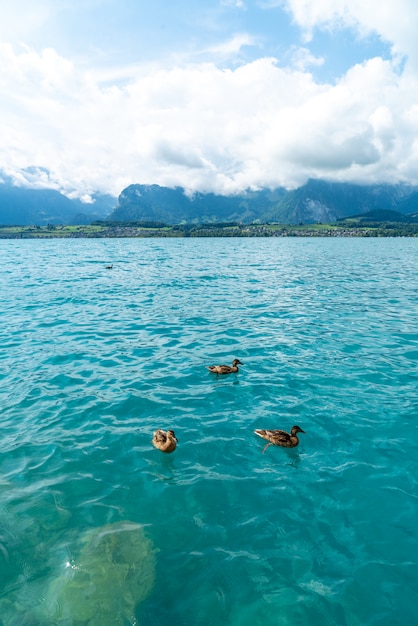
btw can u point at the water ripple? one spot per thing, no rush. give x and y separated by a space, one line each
93 361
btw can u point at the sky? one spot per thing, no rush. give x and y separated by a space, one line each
215 96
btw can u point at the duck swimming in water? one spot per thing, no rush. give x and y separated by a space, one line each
165 441
225 369
280 437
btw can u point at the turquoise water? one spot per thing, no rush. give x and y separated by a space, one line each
94 360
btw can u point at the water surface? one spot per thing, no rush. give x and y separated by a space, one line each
93 360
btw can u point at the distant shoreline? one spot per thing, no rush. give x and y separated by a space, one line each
346 228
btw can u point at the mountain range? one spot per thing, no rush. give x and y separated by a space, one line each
23 206
316 201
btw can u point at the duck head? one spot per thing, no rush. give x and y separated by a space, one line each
295 430
171 432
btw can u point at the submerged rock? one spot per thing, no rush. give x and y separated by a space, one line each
114 572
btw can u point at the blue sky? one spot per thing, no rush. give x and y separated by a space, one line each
212 95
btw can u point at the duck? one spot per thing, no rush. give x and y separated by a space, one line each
166 441
280 437
109 267
225 369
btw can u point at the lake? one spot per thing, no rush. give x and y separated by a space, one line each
99 528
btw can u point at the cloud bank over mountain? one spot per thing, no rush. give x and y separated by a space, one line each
218 113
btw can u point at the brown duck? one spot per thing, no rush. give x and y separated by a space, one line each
225 369
280 437
165 441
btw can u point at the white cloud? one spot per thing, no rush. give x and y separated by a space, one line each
239 4
208 128
394 22
232 47
21 17
302 59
